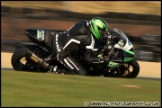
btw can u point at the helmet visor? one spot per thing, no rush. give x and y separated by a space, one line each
103 33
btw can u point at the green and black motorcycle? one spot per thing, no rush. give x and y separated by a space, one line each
34 57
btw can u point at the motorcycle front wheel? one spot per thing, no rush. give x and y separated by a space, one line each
127 70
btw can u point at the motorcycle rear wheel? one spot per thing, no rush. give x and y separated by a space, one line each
20 62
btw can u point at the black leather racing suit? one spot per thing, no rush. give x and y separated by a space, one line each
78 35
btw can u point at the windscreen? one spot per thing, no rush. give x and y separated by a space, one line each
123 36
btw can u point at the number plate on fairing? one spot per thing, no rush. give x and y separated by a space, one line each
40 35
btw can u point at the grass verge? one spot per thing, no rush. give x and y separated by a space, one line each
45 89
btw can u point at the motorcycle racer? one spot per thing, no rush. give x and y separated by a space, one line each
83 34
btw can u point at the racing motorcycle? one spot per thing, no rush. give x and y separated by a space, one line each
36 56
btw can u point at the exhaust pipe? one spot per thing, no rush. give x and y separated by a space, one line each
37 59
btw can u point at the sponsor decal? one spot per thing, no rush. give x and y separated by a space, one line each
57 44
40 35
34 59
121 43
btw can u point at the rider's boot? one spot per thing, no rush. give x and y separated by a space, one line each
59 70
56 70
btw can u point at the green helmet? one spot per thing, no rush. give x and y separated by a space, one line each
98 27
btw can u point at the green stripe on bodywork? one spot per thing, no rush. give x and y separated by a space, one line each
38 34
130 52
128 59
113 64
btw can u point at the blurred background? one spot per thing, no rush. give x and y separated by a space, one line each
140 20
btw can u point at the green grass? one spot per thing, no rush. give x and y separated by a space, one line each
43 89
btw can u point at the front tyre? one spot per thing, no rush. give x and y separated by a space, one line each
132 69
127 70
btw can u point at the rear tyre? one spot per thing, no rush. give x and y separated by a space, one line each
20 62
16 59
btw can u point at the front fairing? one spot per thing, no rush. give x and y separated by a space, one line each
125 45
